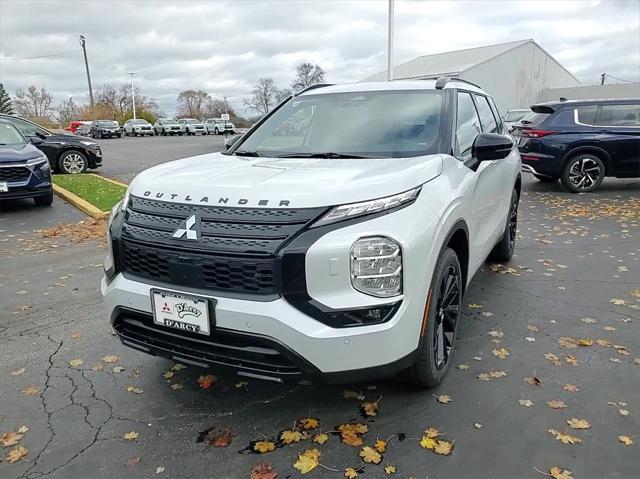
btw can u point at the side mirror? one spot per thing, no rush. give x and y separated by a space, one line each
229 142
491 146
40 135
35 140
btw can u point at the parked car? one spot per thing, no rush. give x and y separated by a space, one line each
75 125
581 142
344 253
66 153
137 127
191 126
83 130
105 128
167 126
511 117
218 126
24 170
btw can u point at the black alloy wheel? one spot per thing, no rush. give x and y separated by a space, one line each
448 303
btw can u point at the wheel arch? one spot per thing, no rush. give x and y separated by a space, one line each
67 149
458 240
594 150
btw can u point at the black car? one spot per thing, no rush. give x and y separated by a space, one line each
66 153
104 129
24 170
581 142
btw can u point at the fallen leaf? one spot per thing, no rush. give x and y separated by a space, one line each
380 446
578 423
553 358
623 412
11 438
159 469
567 342
18 372
307 461
585 342
571 359
320 438
263 470
132 389
131 436
207 381
428 442
477 425
76 363
223 439
264 446
390 469
350 473
351 433
118 369
496 333
176 386
558 473
31 391
97 367
572 388
241 384
76 335
370 408
588 320
564 438
14 455
532 328
168 374
432 432
177 367
370 455
556 404
23 429
110 358
132 461
353 395
444 399
289 436
475 306
443 447
525 402
626 440
502 353
463 366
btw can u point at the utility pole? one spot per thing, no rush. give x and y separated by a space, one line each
390 43
603 76
86 65
133 95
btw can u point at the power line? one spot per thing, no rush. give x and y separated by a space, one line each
620 79
9 59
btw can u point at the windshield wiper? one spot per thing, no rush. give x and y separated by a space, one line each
322 155
246 153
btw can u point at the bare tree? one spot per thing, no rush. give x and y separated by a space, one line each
263 96
307 74
283 94
34 103
191 103
67 111
116 103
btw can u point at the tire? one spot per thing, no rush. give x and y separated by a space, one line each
503 251
216 131
546 179
442 321
44 200
119 135
164 133
72 162
583 173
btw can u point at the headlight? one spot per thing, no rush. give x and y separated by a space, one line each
88 143
108 260
376 266
353 210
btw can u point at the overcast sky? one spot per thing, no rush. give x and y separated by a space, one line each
224 47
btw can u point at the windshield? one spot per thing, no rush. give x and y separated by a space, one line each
139 122
191 122
9 135
515 115
106 123
373 124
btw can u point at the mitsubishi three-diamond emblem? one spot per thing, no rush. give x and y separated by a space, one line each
190 227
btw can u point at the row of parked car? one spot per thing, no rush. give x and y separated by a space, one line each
162 126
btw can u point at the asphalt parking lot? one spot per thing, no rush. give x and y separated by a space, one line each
576 275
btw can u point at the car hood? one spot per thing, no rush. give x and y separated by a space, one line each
67 139
17 153
280 182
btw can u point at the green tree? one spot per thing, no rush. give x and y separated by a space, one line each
5 101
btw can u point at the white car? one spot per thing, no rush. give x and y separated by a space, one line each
337 249
191 126
167 126
218 126
137 127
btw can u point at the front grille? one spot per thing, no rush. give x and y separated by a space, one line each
14 173
235 252
249 353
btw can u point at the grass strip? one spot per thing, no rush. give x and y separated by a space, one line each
100 193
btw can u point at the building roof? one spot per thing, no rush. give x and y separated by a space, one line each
448 63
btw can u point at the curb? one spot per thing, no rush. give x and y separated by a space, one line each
115 182
79 203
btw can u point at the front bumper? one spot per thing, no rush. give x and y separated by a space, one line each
33 183
94 155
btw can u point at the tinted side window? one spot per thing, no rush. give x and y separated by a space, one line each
496 113
586 114
618 115
489 124
468 125
26 128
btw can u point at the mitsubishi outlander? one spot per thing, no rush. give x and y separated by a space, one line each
336 238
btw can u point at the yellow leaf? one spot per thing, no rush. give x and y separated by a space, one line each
432 432
76 363
350 473
572 388
623 412
558 473
444 399
16 454
380 446
626 440
578 423
320 438
118 369
443 448
556 404
390 469
525 402
31 391
370 408
159 469
309 423
463 366
502 353
350 433
131 436
289 436
352 395
553 358
428 442
307 461
110 358
564 438
264 446
133 389
585 342
168 374
370 455
11 438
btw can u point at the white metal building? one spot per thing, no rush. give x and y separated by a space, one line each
514 73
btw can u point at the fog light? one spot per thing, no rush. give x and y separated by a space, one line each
376 266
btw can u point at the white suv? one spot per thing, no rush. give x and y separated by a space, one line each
191 126
218 126
335 238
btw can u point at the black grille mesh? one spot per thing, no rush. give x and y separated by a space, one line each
18 173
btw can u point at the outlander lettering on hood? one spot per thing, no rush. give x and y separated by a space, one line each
205 200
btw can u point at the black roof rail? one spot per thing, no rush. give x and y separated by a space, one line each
442 81
313 87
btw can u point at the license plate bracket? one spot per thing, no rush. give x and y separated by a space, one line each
183 312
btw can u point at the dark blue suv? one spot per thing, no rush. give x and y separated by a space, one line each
24 170
581 141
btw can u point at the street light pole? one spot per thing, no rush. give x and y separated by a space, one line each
390 42
86 65
133 95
